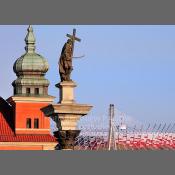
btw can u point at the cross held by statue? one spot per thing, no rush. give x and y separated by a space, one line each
73 38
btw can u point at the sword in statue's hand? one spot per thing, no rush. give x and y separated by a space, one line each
79 56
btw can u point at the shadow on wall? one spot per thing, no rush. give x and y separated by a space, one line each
7 113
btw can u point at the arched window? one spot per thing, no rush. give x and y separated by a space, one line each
28 123
36 91
27 90
36 123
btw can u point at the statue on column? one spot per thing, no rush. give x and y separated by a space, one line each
65 61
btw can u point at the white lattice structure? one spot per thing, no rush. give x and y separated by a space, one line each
106 133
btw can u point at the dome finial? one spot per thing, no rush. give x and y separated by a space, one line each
30 40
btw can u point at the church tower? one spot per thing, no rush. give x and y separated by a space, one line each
30 69
30 90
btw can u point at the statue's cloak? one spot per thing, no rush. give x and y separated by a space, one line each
65 61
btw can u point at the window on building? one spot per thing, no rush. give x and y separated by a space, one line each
36 91
36 123
27 90
28 123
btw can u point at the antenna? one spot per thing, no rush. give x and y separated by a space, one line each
111 136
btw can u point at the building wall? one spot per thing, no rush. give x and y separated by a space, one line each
27 145
25 110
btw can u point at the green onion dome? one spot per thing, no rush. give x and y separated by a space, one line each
30 62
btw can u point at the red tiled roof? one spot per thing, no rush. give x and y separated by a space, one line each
28 138
5 129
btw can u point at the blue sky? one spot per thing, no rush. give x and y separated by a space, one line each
131 66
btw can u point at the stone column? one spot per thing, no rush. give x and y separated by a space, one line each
68 113
66 139
66 92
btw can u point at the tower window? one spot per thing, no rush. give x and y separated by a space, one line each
36 123
36 91
27 90
28 123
